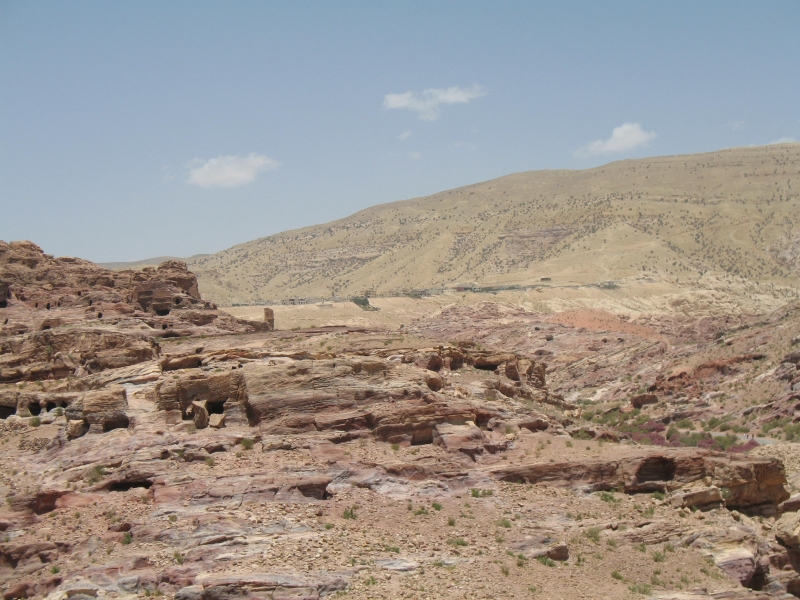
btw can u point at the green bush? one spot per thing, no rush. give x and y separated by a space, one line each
247 443
547 562
457 542
350 513
96 473
609 497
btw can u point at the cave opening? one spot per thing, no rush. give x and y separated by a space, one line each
7 411
656 468
118 422
50 406
422 437
215 408
162 312
3 303
486 366
124 486
758 581
35 409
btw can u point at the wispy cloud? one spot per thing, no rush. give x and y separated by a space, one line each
428 103
735 125
783 140
414 155
230 171
627 136
404 136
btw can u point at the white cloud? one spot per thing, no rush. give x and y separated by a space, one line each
230 171
783 140
414 155
428 103
404 136
627 136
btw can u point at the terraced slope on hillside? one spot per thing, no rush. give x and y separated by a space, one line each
727 218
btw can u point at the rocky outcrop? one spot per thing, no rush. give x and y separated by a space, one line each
190 394
68 317
694 479
98 412
261 585
55 354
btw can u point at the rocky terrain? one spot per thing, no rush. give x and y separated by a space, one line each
720 222
153 445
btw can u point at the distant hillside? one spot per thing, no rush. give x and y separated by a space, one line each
732 215
148 262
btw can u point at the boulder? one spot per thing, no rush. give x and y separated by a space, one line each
199 414
787 531
466 438
520 369
102 410
793 357
431 362
76 428
536 546
643 399
790 505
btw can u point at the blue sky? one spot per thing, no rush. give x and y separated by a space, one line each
130 130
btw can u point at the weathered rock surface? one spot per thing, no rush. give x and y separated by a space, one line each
694 479
146 453
68 317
